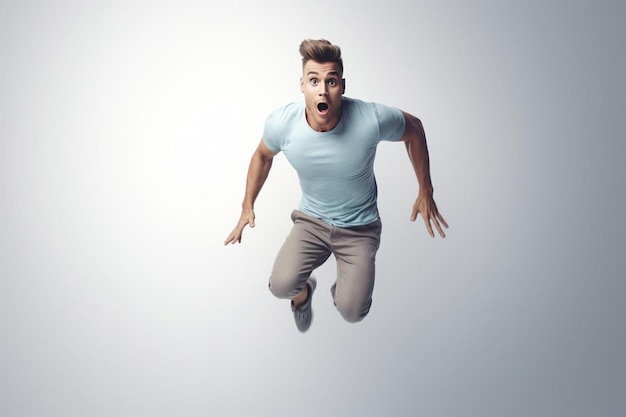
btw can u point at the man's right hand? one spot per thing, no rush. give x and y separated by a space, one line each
247 218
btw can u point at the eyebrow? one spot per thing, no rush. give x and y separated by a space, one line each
333 73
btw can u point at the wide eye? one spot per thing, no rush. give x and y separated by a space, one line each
332 82
313 81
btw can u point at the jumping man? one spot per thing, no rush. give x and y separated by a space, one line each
331 141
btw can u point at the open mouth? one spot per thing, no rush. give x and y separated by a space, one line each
322 107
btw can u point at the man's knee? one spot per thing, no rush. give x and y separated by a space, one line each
283 288
354 313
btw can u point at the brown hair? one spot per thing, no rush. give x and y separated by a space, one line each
320 50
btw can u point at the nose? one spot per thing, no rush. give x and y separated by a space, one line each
323 90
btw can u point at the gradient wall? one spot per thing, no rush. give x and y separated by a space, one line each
126 129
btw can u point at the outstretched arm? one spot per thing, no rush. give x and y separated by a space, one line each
415 141
259 169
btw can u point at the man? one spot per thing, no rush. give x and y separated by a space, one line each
331 142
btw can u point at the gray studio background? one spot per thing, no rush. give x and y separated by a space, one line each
126 129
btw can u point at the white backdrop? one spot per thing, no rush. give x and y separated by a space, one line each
126 128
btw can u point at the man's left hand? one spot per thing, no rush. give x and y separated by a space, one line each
425 205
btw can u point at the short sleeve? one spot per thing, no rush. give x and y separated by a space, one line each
271 135
391 122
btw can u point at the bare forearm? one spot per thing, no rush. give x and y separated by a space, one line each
258 172
417 150
415 141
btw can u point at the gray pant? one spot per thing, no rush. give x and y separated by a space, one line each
308 246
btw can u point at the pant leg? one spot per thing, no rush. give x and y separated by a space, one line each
355 250
305 249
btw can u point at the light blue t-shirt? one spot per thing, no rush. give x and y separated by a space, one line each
335 168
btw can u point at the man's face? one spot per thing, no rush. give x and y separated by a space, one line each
323 87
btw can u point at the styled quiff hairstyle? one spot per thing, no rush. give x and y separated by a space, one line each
320 50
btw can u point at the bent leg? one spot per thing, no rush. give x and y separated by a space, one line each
356 257
304 250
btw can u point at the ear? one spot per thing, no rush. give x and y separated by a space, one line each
301 85
343 86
